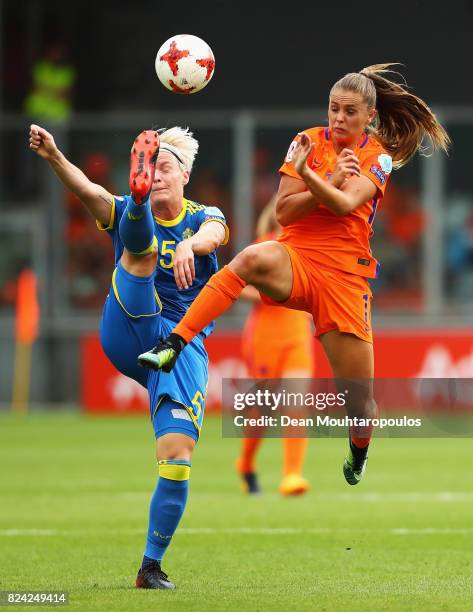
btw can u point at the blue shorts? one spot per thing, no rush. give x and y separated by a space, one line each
131 324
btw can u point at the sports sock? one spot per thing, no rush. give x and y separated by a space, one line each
216 297
246 461
167 506
294 455
360 437
136 228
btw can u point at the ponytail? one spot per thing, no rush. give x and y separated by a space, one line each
403 119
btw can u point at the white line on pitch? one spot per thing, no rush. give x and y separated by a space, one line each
244 531
355 496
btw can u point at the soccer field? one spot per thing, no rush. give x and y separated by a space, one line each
74 503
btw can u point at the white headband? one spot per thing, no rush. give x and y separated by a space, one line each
174 151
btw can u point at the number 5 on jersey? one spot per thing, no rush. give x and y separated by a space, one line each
167 250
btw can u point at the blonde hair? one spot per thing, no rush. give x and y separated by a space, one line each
183 142
267 220
403 119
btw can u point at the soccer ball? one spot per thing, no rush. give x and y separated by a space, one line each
185 64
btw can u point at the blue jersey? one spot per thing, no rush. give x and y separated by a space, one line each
193 216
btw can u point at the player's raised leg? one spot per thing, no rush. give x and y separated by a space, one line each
266 266
352 361
137 223
131 312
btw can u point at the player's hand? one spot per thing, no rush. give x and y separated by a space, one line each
42 142
301 153
347 165
183 265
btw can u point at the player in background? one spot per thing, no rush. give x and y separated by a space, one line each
164 254
287 354
322 261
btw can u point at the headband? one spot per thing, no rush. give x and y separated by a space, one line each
174 151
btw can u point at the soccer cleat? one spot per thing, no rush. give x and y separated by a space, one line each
353 468
164 355
153 577
249 480
144 153
293 484
249 483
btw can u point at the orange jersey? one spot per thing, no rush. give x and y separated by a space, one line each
322 236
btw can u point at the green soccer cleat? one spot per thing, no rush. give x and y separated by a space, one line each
164 355
353 468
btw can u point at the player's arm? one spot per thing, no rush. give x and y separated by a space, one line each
291 205
293 201
353 193
95 198
209 237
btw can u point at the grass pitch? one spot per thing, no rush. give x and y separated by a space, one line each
73 516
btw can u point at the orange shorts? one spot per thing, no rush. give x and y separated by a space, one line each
289 360
337 300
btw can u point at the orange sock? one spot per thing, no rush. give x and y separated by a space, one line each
294 455
215 298
246 462
361 436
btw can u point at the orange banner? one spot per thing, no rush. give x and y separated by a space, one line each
27 308
401 353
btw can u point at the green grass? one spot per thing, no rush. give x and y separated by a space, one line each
74 503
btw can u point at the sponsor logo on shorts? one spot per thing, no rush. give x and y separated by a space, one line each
364 262
379 174
180 413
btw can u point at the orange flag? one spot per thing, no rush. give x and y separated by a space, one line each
27 308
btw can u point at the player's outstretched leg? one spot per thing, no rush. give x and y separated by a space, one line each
137 224
215 298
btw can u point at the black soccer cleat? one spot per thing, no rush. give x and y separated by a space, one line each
164 355
153 577
250 484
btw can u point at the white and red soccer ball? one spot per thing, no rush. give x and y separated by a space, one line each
185 64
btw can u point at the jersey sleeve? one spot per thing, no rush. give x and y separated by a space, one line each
377 166
118 206
212 213
288 167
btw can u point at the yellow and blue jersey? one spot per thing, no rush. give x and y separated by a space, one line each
192 217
